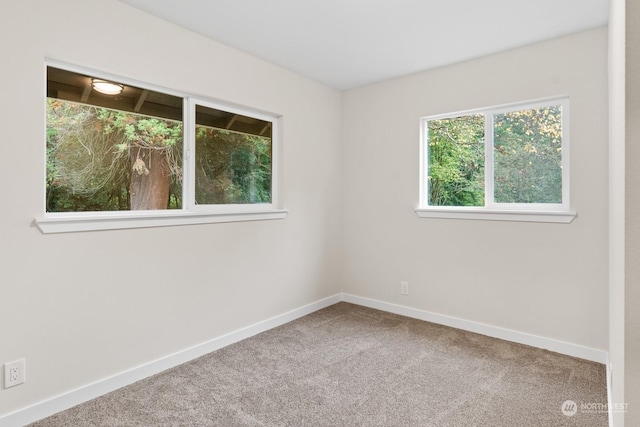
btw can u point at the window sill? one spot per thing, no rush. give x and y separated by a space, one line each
65 223
497 215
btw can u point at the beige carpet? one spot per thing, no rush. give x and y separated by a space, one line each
353 366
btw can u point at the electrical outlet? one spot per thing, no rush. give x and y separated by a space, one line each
404 288
14 373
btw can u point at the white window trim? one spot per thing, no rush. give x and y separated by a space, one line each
65 222
496 215
555 213
144 219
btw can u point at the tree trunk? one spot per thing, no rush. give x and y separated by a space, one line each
150 180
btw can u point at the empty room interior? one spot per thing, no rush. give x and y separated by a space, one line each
280 237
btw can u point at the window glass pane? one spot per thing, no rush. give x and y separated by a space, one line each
233 158
111 152
456 161
528 156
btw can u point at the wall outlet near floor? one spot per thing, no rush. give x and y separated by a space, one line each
14 373
404 288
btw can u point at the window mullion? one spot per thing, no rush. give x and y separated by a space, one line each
188 172
565 154
424 163
488 160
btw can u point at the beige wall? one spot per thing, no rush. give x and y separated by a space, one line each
632 282
549 280
83 306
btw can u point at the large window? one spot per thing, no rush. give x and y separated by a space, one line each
116 150
512 159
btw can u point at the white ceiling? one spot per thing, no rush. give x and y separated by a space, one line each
351 43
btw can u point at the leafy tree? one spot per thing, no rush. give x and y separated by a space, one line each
528 156
456 161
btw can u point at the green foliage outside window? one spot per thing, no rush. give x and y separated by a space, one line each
95 155
232 167
456 161
101 159
527 158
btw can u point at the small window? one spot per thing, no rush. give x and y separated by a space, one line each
510 158
116 147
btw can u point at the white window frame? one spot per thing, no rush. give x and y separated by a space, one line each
190 213
190 155
529 212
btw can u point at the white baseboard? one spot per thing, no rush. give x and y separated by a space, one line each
82 394
562 347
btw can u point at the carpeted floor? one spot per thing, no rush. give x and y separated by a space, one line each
348 365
